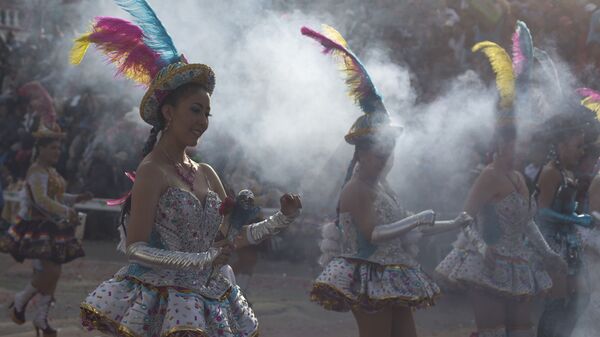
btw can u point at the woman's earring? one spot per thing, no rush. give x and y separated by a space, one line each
167 126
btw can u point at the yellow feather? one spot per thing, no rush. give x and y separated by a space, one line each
592 105
334 35
79 49
502 66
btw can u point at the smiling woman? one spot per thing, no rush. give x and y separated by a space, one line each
177 282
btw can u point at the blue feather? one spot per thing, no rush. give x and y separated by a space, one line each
155 34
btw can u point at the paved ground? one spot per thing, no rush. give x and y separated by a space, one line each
278 294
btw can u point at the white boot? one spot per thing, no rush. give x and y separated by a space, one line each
17 307
40 321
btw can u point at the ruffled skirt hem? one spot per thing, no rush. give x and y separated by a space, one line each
125 307
348 284
513 279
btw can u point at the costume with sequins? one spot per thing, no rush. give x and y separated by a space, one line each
41 231
143 301
506 226
373 277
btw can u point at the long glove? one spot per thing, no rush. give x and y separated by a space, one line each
259 231
391 231
143 254
443 226
583 220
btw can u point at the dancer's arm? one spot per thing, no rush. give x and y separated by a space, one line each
149 184
382 233
140 252
290 210
358 200
583 220
443 226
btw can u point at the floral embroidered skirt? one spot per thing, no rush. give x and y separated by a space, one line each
508 277
129 307
347 284
40 239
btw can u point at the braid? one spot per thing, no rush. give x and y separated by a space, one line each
151 141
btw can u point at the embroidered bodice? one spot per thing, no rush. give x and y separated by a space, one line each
511 216
393 252
183 223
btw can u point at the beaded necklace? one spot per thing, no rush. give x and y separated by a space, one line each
187 172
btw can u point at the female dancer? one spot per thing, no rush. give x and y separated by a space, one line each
173 284
46 229
557 188
495 257
374 272
492 258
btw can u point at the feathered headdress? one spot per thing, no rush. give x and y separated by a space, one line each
144 52
360 86
591 100
514 73
43 104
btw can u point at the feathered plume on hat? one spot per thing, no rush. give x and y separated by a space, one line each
43 104
360 85
144 52
512 74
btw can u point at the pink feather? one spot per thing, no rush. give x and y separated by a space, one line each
517 54
358 80
590 94
123 43
327 43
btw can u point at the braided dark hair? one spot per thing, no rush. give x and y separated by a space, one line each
172 99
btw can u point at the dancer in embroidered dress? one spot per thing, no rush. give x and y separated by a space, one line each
588 323
369 265
173 284
495 258
559 223
45 230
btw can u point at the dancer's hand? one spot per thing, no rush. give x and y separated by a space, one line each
290 205
87 196
224 254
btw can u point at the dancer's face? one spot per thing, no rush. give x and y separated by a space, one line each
49 153
571 150
187 119
377 160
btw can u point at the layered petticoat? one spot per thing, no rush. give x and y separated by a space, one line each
512 277
125 306
40 239
347 284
